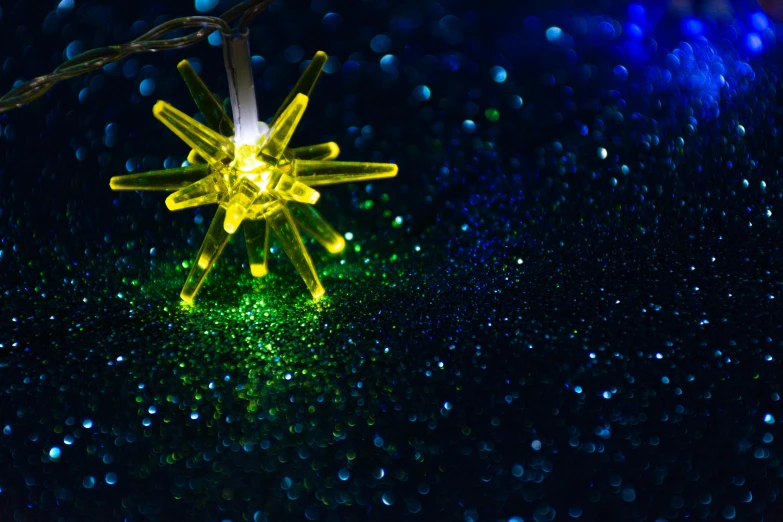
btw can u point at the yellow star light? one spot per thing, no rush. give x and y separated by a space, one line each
249 171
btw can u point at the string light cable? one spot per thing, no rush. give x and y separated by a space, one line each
151 41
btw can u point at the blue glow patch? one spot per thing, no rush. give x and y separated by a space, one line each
138 28
759 21
692 26
147 87
130 68
453 62
422 93
215 39
389 63
73 49
554 33
293 54
636 13
196 64
203 6
381 43
606 30
633 31
754 43
499 74
332 20
332 65
64 8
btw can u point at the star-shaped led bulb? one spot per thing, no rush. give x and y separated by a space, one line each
248 170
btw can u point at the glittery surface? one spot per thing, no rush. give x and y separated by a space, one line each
566 306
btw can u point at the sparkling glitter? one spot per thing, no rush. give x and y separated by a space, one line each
520 329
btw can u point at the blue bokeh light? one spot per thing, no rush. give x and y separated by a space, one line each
73 49
422 93
554 33
754 43
499 74
633 31
637 13
203 6
692 26
606 30
381 43
759 21
147 87
64 8
215 39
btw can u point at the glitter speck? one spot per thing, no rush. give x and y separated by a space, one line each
553 33
498 74
422 93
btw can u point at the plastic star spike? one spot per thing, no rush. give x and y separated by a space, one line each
249 171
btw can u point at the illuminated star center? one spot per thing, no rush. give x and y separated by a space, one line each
257 183
248 170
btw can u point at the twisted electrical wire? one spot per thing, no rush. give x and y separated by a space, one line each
151 41
251 13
